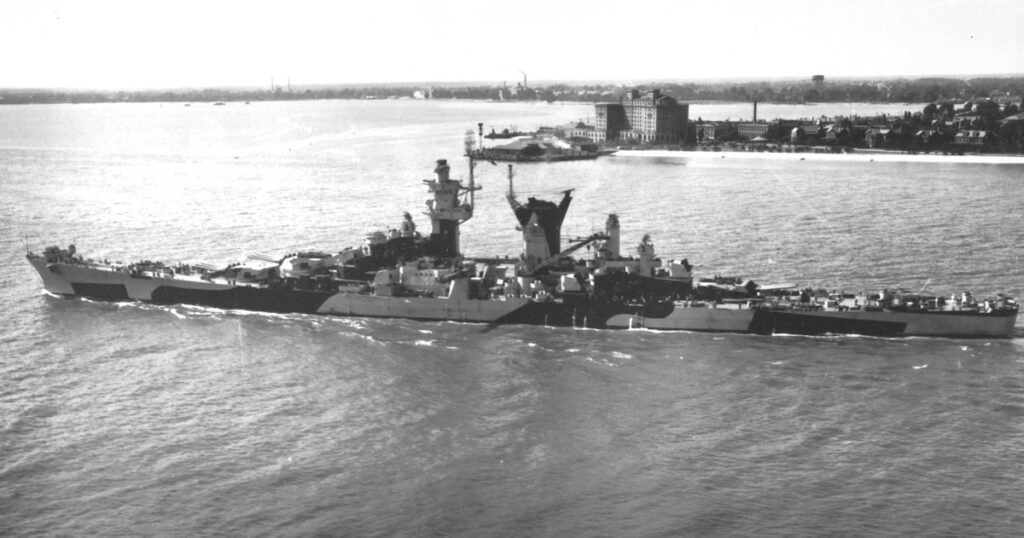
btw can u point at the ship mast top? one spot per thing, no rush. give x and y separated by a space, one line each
449 208
511 192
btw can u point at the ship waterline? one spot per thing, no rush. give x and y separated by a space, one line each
403 274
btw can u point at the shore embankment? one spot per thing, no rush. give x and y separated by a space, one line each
857 155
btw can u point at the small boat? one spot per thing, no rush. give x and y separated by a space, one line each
505 133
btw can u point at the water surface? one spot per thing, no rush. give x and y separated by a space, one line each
131 419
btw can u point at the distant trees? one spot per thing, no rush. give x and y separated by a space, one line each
1011 137
983 125
929 90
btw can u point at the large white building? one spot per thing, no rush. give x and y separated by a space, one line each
648 117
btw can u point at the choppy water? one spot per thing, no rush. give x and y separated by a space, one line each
123 419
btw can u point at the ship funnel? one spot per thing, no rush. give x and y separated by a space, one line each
611 245
535 243
549 215
442 170
646 252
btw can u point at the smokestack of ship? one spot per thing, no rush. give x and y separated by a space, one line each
755 110
611 245
549 216
442 170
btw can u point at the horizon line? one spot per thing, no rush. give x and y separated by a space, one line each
633 81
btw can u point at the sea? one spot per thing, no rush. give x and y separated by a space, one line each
125 419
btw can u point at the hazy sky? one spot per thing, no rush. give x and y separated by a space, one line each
139 44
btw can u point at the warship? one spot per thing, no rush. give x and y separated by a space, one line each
403 273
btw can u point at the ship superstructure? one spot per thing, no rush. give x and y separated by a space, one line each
402 273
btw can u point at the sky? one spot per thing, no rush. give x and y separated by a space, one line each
118 44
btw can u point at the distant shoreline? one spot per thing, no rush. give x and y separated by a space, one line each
788 91
856 155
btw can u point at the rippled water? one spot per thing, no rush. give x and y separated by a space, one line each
140 420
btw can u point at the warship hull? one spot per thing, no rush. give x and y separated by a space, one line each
104 283
884 323
404 274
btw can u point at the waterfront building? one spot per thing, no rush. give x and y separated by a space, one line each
878 136
770 130
753 130
1012 120
649 117
807 132
973 138
572 130
712 131
928 137
835 132
580 130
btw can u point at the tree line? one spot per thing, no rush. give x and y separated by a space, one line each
922 90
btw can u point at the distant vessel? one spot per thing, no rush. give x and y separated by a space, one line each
400 273
505 133
538 150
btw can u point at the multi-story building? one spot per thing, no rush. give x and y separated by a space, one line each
754 130
771 130
650 117
973 138
713 131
